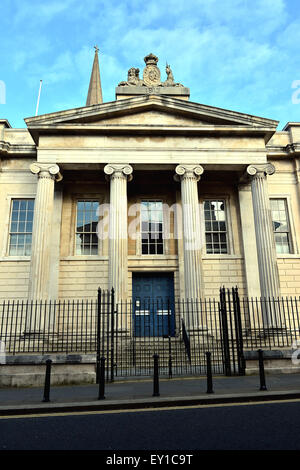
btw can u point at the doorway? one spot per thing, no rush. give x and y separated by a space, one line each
153 304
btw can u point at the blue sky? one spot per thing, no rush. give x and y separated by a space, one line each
236 54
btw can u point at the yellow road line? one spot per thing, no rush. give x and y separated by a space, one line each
139 410
161 379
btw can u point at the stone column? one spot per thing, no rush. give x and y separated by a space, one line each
249 240
266 252
118 230
189 176
41 235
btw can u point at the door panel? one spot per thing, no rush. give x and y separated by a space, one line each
153 304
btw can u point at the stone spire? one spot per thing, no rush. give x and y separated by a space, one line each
95 91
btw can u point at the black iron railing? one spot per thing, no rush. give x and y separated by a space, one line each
270 322
44 327
128 335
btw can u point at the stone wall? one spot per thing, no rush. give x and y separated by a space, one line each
227 272
14 277
80 279
289 273
16 181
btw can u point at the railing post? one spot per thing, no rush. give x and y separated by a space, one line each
169 339
209 373
102 379
261 370
156 377
238 331
112 335
224 327
98 336
170 358
47 381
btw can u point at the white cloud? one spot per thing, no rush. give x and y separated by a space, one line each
236 53
42 12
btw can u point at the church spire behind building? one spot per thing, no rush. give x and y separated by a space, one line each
95 90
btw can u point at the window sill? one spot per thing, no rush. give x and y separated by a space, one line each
220 256
15 258
288 255
137 257
84 258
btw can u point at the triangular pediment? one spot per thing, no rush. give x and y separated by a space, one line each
151 117
147 110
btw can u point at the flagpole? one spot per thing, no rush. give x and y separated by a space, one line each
38 101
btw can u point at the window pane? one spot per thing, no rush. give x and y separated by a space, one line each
21 227
30 204
14 226
281 225
28 228
222 227
23 204
152 227
160 249
152 248
86 227
21 222
94 249
86 250
22 215
13 250
16 204
215 227
15 215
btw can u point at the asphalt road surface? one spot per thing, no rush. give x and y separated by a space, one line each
267 426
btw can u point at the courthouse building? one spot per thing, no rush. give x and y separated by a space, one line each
151 194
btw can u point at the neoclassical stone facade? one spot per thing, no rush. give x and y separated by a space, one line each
150 184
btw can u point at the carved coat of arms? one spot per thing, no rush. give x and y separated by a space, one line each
151 75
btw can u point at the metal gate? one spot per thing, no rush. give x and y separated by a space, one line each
187 330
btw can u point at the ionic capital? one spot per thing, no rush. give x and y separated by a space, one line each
188 171
46 170
119 170
260 170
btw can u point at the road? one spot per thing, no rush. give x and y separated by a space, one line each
265 426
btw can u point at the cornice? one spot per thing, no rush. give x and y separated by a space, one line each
293 148
17 149
285 151
155 130
132 105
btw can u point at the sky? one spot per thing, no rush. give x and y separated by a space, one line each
241 55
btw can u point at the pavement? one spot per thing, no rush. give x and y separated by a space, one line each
135 394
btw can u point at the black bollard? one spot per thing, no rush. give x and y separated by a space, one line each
101 379
47 381
261 370
155 377
208 373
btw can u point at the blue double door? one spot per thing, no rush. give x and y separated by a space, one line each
153 304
